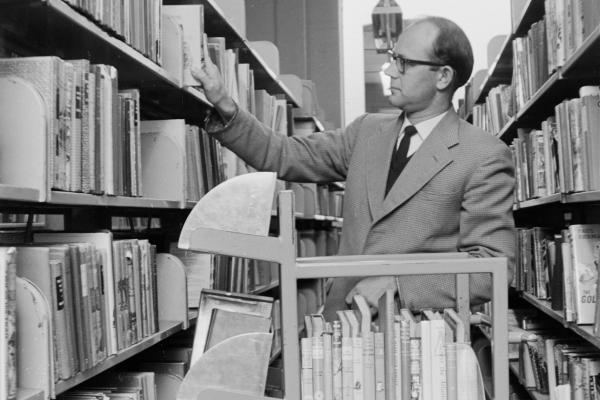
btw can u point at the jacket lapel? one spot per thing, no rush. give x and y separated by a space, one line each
431 157
379 154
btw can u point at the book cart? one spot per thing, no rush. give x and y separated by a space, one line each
282 249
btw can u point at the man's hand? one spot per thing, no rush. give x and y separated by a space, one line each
372 288
210 79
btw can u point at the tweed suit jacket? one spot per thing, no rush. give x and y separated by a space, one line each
455 193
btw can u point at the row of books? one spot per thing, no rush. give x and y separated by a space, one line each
136 22
562 267
530 63
497 110
559 157
122 385
551 361
314 199
102 294
92 128
401 358
550 42
568 24
97 143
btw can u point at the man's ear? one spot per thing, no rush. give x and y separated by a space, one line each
446 76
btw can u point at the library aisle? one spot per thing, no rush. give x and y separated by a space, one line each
143 256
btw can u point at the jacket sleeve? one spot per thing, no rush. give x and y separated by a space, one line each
320 157
486 230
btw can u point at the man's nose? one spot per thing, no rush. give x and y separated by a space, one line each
391 70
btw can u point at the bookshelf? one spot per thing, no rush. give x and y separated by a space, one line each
282 249
558 210
52 27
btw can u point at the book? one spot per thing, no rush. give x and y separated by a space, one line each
191 18
387 312
8 316
225 324
211 299
585 244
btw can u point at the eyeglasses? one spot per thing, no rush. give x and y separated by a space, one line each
401 62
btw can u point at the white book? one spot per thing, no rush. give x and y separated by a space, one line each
337 361
585 248
380 381
306 372
438 354
357 356
172 47
191 18
363 315
164 166
426 357
347 358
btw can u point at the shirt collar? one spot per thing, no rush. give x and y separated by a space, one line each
424 128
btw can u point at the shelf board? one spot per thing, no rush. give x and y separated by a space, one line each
583 197
500 72
532 12
534 394
555 198
167 329
85 199
509 130
216 23
29 394
319 125
585 58
15 193
265 288
584 331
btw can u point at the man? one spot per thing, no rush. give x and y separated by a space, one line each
445 186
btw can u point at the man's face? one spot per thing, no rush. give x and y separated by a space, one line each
414 89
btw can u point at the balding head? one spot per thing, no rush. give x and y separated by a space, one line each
450 47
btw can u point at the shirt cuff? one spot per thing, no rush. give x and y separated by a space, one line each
215 123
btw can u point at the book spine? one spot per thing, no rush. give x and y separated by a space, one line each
357 368
59 313
328 367
306 373
347 369
398 367
415 368
10 322
380 392
452 373
318 367
368 366
337 361
405 359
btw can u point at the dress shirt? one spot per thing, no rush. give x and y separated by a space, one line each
424 128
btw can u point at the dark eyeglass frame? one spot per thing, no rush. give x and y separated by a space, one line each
401 62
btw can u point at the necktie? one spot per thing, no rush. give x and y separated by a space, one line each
399 157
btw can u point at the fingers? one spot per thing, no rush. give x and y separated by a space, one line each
206 55
198 73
